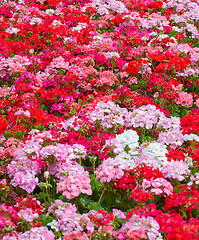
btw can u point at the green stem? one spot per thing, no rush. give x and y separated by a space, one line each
101 195
94 167
48 195
44 195
16 123
49 173
142 133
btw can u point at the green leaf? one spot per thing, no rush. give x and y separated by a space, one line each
45 220
45 185
1 163
95 205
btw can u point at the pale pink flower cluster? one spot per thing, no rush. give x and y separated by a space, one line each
30 148
3 90
103 6
173 138
118 213
144 117
168 123
191 10
23 171
84 72
35 20
67 220
63 152
12 141
25 180
59 151
109 115
73 123
117 6
197 102
78 151
58 207
108 78
22 112
144 159
175 170
194 179
40 77
37 233
114 145
3 67
147 225
17 63
153 20
28 215
172 135
184 99
11 236
110 55
111 169
24 168
12 30
74 180
122 74
59 62
103 44
158 186
189 71
73 222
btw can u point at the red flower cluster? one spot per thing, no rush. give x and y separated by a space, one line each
173 227
156 5
29 202
134 66
184 202
190 124
145 172
175 155
3 125
140 195
107 218
126 182
53 3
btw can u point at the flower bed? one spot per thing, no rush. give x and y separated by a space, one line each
99 119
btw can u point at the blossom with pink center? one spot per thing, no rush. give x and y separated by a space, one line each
28 215
74 180
184 99
175 170
111 169
157 186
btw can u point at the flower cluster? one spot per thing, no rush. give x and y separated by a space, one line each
99 117
73 180
142 227
109 115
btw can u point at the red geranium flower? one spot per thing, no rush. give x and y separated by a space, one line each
3 125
